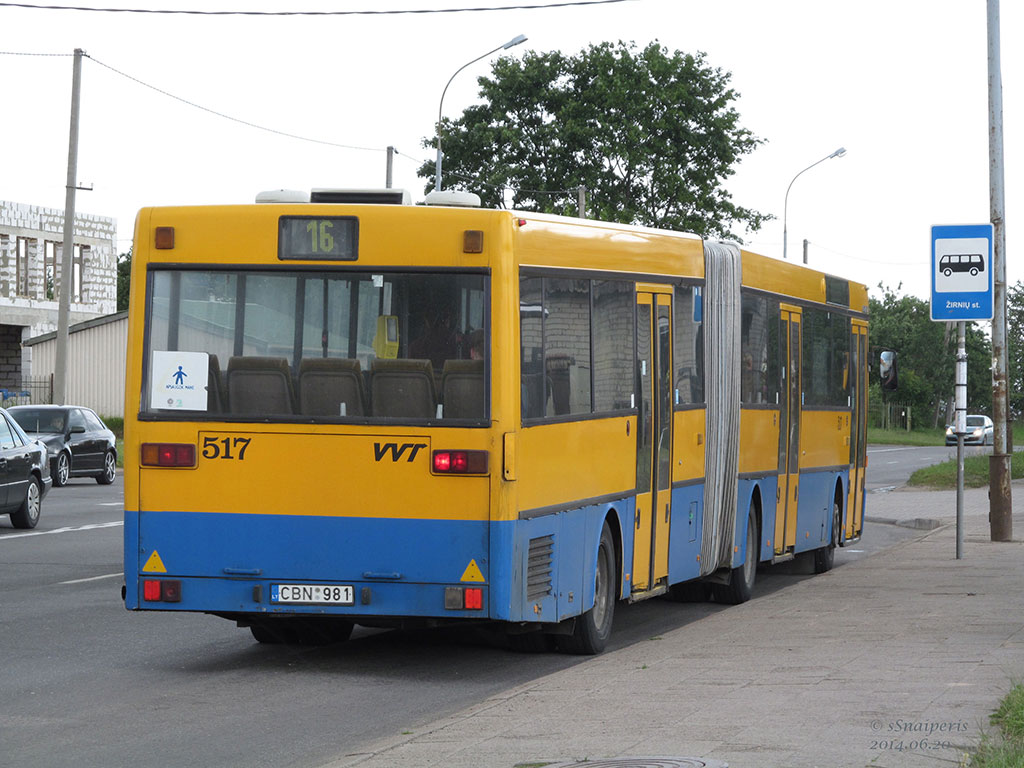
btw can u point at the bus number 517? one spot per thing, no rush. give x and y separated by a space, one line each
225 447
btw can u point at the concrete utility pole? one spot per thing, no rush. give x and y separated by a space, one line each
1000 502
60 368
391 162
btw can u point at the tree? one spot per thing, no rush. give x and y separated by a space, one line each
651 135
124 279
927 355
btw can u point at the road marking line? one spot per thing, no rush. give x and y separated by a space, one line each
889 450
93 578
62 530
111 504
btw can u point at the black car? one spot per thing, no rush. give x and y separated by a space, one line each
24 474
79 443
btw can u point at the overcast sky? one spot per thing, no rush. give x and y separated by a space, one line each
901 84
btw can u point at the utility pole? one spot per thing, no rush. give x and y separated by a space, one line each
1000 502
581 201
805 250
960 395
60 369
391 162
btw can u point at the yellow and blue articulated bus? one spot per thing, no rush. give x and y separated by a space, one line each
394 415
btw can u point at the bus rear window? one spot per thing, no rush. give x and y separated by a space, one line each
316 346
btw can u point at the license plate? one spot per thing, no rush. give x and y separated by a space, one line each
312 594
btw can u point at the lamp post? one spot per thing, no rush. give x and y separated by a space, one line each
785 208
437 166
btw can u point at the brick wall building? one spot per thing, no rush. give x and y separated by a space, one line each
31 246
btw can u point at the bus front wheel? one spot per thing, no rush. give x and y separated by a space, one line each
591 630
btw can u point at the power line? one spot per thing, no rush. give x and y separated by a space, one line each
27 53
518 7
229 117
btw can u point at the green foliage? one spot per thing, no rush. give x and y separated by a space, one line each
651 135
124 279
115 424
927 355
920 437
1007 751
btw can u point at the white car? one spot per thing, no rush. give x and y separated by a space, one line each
979 431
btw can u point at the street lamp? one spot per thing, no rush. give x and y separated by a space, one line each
785 208
437 166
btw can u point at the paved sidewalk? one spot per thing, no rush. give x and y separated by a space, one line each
893 660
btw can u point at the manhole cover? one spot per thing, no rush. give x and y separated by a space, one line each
644 762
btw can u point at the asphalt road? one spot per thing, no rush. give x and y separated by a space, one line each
86 683
889 466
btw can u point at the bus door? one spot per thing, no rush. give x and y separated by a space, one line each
790 403
654 440
858 438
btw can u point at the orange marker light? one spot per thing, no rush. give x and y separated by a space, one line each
164 239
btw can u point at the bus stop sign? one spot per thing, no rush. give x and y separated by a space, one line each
961 267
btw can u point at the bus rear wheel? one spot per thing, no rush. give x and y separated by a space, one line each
591 630
824 558
741 580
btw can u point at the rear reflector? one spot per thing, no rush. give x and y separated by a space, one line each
164 591
460 462
168 455
464 598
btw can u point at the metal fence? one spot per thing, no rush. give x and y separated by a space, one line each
37 390
890 416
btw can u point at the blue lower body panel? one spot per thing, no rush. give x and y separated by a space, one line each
220 558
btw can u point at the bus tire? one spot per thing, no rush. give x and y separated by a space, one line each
591 631
824 558
741 580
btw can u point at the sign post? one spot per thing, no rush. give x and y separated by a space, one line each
961 278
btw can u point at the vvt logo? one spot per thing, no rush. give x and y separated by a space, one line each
380 450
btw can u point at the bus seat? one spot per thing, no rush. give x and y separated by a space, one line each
260 386
462 389
214 395
326 383
403 387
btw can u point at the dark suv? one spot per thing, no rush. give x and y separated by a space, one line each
77 441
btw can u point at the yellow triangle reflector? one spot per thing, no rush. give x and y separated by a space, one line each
472 572
154 564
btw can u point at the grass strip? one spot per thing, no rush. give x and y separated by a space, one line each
1006 751
943 476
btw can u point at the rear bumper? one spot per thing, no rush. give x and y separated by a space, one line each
229 563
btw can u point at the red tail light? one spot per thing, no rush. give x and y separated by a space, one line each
460 462
168 455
